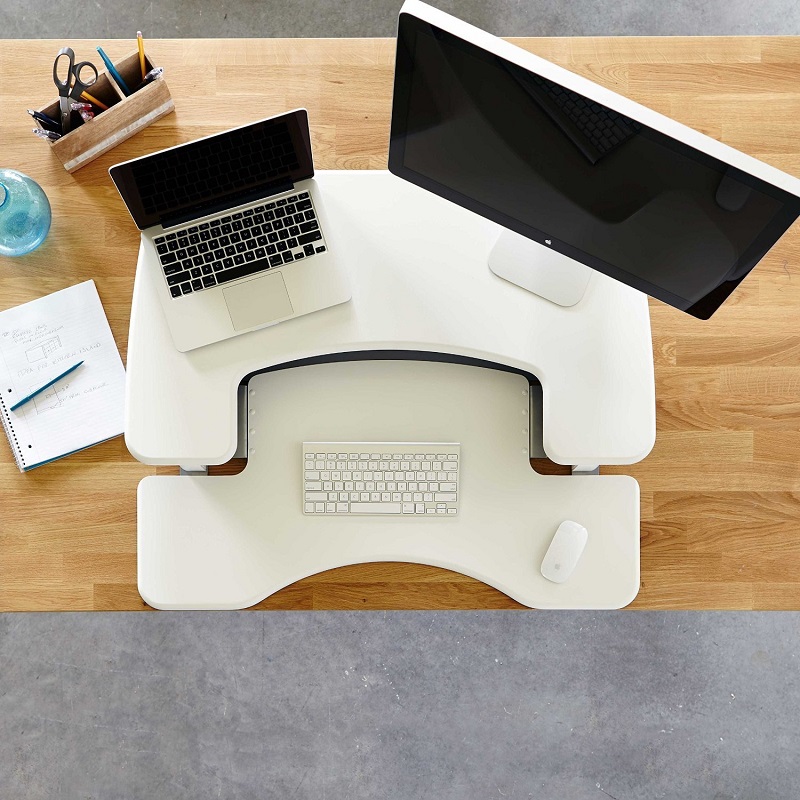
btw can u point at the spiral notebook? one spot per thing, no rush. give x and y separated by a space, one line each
42 339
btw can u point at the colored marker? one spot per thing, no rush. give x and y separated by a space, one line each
46 386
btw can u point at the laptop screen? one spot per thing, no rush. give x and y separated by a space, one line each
217 172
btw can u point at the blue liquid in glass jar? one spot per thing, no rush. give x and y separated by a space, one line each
24 214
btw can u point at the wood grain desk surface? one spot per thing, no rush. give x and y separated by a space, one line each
721 489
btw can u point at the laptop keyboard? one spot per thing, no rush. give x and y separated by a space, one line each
202 256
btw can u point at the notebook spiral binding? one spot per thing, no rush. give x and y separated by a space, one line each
11 435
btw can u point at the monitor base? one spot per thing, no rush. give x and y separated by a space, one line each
538 269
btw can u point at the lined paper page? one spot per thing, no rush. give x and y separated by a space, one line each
40 340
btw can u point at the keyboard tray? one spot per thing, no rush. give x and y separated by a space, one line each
228 542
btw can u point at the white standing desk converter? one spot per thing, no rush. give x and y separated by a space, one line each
420 282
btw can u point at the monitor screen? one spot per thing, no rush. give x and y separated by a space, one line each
563 169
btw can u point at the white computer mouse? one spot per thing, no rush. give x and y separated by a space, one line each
564 552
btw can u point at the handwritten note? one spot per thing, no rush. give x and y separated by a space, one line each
38 341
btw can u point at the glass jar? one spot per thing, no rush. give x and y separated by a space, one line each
24 213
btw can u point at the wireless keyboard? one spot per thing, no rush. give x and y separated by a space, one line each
356 478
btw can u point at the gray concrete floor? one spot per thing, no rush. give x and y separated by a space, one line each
403 705
462 705
323 18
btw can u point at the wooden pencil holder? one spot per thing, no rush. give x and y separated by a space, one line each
126 115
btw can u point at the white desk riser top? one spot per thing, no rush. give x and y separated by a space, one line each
420 281
227 542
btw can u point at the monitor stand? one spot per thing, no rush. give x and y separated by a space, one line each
539 269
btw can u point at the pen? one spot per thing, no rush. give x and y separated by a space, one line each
113 70
46 386
140 44
48 123
45 134
151 76
84 109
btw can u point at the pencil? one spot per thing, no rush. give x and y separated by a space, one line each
94 101
140 43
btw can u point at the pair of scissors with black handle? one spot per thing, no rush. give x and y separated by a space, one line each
73 84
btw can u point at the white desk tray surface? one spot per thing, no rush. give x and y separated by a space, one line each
420 281
228 542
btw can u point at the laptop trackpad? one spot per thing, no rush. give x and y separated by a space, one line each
258 302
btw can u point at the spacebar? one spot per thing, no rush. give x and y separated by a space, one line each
247 268
376 508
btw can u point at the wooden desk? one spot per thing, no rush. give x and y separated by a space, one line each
720 491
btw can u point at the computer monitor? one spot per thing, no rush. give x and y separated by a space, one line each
580 176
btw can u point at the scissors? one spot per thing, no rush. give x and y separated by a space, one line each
73 83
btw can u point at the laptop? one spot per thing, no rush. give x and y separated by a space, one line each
234 231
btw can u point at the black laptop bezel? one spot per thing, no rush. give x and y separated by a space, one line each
297 123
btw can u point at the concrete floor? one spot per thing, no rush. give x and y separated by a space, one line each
462 705
323 18
402 705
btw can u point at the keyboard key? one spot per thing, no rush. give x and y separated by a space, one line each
287 257
175 291
173 269
172 280
315 236
168 258
197 284
309 249
242 270
186 288
160 239
376 508
275 261
321 249
207 270
311 225
209 280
